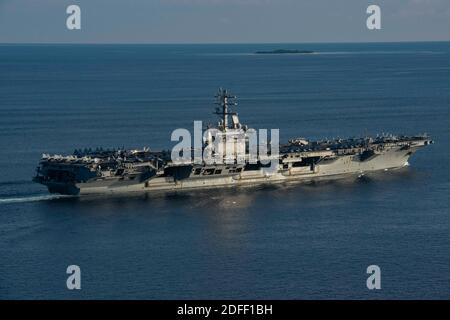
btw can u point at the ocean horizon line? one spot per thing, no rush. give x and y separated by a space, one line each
214 43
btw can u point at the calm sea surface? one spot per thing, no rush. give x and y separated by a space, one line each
297 242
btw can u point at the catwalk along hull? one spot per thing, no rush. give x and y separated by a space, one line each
342 167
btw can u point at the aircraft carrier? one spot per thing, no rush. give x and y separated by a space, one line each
119 171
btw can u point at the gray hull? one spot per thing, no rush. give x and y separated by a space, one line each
340 167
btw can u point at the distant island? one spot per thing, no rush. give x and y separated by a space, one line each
285 51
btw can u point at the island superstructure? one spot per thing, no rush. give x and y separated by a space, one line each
119 171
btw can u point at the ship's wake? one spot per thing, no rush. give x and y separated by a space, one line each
34 198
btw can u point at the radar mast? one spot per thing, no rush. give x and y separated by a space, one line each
225 99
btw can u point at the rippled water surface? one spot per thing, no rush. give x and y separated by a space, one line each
298 241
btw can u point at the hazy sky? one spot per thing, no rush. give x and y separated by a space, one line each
217 21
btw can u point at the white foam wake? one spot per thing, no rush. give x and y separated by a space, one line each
33 198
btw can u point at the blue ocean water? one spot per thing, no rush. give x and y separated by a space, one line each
297 242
